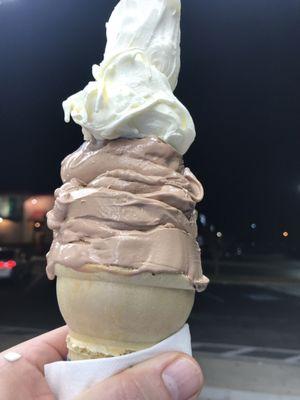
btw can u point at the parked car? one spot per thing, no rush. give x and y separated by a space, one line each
12 266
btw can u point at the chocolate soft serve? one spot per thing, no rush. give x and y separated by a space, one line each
128 203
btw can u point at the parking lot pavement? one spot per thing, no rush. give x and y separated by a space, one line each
231 372
240 377
10 335
246 337
239 315
246 315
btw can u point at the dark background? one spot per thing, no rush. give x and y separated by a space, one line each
240 79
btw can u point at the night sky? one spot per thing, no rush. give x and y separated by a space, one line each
240 79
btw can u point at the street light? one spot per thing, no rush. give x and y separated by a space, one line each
285 234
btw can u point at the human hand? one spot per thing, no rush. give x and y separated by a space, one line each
166 377
170 376
24 379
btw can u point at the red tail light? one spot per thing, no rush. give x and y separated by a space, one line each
10 264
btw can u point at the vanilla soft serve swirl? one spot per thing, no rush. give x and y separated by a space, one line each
132 94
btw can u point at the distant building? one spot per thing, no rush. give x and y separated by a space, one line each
23 219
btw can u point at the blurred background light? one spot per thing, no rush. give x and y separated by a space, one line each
202 218
36 208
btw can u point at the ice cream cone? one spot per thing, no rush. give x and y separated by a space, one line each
125 248
112 314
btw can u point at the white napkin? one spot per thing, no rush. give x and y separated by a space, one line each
68 379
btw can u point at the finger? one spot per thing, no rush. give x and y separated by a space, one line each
44 349
171 376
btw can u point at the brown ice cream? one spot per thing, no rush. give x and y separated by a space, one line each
128 204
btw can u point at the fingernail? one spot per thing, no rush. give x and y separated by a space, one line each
183 379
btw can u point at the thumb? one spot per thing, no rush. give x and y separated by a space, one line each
171 376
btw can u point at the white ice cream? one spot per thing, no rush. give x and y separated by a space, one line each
132 95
